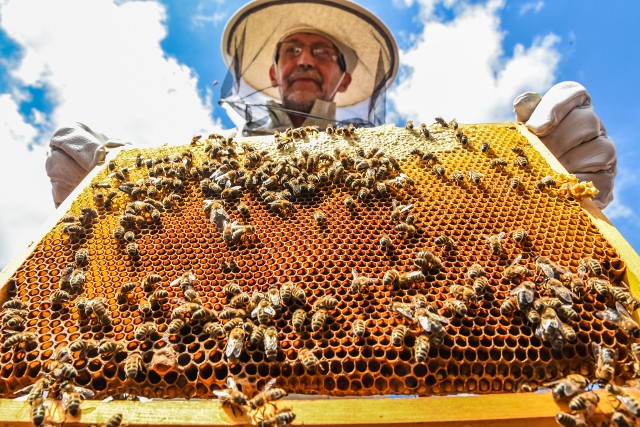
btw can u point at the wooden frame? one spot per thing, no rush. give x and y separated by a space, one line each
535 409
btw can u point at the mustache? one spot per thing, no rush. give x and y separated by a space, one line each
305 74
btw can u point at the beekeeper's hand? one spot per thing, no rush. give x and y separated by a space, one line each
74 151
565 122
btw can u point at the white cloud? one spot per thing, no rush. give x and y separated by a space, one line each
458 68
531 7
101 63
214 19
625 187
26 195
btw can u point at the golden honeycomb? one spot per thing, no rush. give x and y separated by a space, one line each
305 236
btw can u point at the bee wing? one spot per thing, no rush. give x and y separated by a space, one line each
270 310
501 235
234 347
275 300
231 383
405 311
566 295
439 318
425 322
630 403
222 394
354 273
609 314
406 208
623 311
84 392
270 341
394 203
517 260
24 390
255 312
269 385
486 237
547 270
596 350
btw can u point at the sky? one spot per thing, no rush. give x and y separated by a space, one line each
143 72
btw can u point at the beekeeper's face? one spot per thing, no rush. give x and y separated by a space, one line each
307 68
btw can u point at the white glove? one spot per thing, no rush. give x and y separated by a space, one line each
74 151
565 122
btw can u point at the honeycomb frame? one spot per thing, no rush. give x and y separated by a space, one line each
597 218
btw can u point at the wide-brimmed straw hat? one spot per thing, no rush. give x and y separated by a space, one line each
368 47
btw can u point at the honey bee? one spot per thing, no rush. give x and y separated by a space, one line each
421 348
550 328
271 343
569 386
445 241
108 348
605 362
18 338
509 306
424 130
634 352
83 346
474 176
625 297
235 344
359 328
571 420
229 313
495 242
427 261
455 306
590 266
630 403
548 268
359 282
145 307
399 211
407 278
232 396
82 257
38 411
546 181
620 418
385 242
485 147
203 313
406 229
263 312
133 365
409 125
442 122
438 170
318 319
76 279
432 323
556 288
475 271
498 163
364 193
298 319
585 402
15 304
465 293
58 296
515 182
576 284
309 360
521 161
621 318
232 289
391 278
214 330
282 206
327 302
240 300
398 334
524 293
282 418
132 249
320 218
349 203
480 285
145 331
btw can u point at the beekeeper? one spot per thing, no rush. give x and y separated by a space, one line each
304 62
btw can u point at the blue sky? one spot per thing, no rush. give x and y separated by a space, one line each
143 72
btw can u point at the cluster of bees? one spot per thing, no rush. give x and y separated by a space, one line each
249 320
